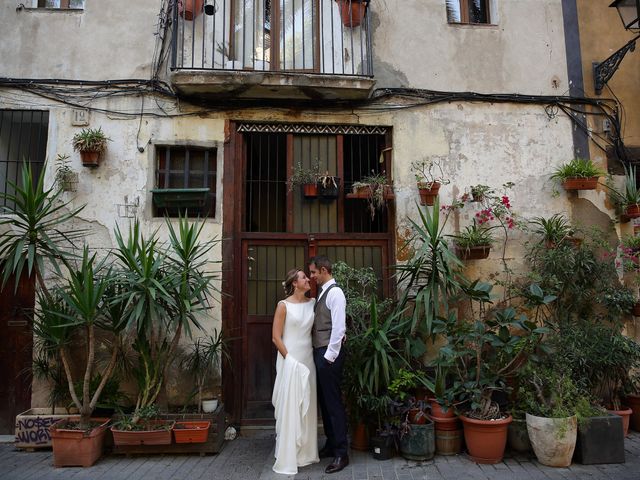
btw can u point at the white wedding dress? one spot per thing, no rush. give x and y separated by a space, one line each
294 393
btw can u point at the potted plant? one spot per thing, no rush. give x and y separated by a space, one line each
91 143
629 198
202 360
478 192
578 174
352 12
75 310
307 178
66 178
190 8
474 242
550 397
555 231
328 186
600 435
142 428
417 438
429 177
375 189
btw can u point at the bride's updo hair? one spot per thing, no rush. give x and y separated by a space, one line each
292 276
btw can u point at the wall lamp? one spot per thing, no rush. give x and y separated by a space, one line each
629 11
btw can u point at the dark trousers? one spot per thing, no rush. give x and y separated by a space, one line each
334 417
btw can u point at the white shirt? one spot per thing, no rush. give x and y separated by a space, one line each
337 303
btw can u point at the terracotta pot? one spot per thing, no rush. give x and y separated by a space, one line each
191 8
553 439
352 12
191 432
625 413
448 424
72 448
634 404
632 211
478 252
485 439
580 183
438 412
144 437
310 190
635 311
417 416
428 195
360 438
90 159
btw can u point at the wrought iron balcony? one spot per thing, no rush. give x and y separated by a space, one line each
297 49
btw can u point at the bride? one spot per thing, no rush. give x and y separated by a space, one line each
294 391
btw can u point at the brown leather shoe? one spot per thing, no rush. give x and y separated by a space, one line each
338 464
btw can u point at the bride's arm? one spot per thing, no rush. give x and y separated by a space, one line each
278 327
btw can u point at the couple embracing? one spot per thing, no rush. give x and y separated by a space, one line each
308 334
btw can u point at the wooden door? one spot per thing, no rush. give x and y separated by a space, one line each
265 265
16 346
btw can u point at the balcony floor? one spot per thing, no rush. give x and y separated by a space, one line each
227 84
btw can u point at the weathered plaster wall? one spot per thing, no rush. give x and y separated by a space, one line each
523 52
108 40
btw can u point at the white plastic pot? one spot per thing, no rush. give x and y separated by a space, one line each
209 406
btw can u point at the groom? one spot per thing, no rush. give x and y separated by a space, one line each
327 336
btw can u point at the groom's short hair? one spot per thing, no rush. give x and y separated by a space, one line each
321 261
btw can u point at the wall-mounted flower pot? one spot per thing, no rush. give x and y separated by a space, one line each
180 197
191 8
310 190
330 189
485 439
428 192
580 183
352 12
158 434
77 448
191 431
478 252
89 158
209 406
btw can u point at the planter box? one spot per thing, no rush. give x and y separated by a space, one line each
77 448
473 253
213 444
180 197
580 183
600 440
32 426
364 193
144 437
191 431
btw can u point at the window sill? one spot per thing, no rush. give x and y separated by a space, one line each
49 10
473 25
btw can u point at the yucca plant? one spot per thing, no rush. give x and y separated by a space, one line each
553 230
34 229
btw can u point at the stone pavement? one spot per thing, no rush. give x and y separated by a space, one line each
250 457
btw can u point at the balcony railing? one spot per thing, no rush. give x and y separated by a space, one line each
330 37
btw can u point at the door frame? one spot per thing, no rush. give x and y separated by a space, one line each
233 237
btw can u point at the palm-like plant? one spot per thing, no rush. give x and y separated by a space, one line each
431 273
34 231
75 309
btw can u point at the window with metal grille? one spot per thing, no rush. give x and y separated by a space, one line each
23 138
272 205
185 181
468 11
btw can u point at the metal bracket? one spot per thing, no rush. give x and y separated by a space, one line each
603 71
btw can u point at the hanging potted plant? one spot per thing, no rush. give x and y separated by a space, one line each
578 174
307 178
478 192
190 9
555 231
91 143
628 200
375 189
429 177
352 12
474 242
328 186
66 178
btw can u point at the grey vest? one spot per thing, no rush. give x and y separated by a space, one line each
321 331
